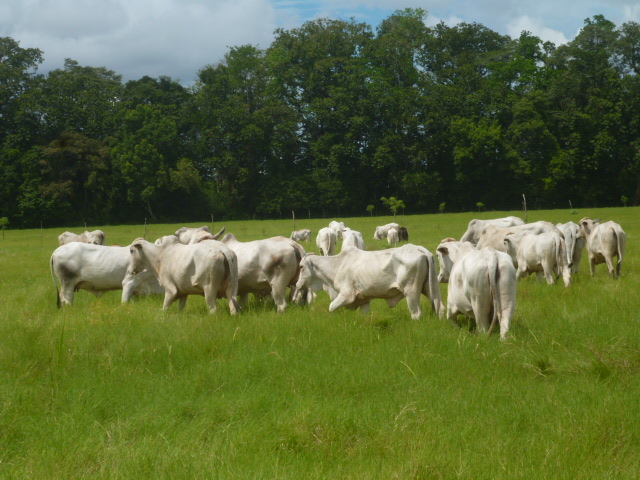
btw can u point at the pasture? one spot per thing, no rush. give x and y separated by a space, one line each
104 390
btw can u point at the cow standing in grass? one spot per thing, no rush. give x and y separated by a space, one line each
355 277
482 284
208 268
604 241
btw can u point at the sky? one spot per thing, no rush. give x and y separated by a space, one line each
177 38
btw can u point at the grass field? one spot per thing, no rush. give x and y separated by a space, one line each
104 390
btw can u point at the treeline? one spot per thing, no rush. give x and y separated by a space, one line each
328 119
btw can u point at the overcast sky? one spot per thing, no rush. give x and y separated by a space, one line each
179 37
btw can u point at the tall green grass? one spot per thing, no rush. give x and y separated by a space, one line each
104 390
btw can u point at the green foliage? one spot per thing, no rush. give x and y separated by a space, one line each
370 209
328 118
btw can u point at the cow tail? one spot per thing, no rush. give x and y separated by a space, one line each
494 288
55 283
431 286
620 243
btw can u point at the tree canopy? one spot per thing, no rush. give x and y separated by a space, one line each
331 118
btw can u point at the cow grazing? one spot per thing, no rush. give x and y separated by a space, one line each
543 254
477 226
382 231
97 269
326 241
207 268
267 267
186 234
337 227
482 284
493 236
96 237
355 277
575 243
392 237
604 241
403 234
303 235
352 238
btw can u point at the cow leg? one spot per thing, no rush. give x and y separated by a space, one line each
340 301
170 296
592 265
365 307
612 269
66 293
413 302
482 312
279 294
183 302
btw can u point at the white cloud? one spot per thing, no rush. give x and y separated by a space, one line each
537 28
137 38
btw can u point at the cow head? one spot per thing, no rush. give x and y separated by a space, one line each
447 247
587 225
308 277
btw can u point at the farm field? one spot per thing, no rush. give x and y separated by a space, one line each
106 390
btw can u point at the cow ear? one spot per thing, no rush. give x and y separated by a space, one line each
443 250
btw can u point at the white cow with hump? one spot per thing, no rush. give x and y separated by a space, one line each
97 269
543 254
352 238
96 237
493 236
355 277
477 226
207 268
326 241
267 267
575 243
482 284
604 241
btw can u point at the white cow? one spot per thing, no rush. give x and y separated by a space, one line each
301 235
543 254
392 237
575 243
482 284
97 269
186 234
207 268
355 277
604 241
267 267
477 226
326 241
493 236
352 238
337 227
382 230
96 237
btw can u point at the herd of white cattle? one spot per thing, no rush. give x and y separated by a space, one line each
481 269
